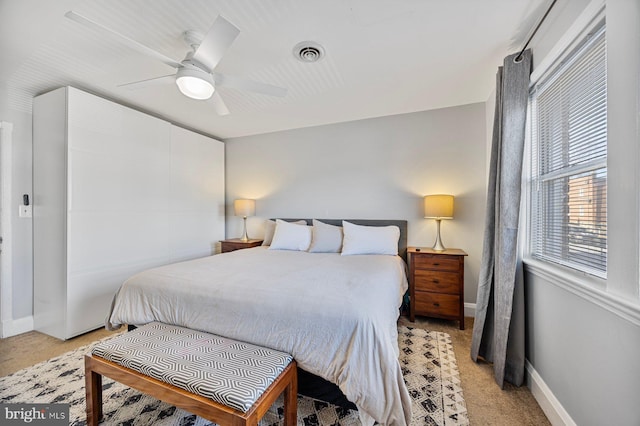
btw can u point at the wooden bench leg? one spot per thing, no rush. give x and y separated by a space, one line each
93 382
291 400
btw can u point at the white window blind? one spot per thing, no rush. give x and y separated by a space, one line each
569 161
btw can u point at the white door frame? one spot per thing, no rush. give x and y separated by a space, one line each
6 281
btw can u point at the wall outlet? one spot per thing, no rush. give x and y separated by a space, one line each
25 211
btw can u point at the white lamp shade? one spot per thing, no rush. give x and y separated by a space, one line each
438 206
194 83
244 207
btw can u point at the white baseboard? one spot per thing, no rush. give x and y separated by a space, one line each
470 310
552 408
17 326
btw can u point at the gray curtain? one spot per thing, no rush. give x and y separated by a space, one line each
498 330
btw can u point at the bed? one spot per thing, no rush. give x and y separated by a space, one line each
337 315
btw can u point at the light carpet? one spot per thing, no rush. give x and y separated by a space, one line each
428 365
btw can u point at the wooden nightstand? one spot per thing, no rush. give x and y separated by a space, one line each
233 244
436 283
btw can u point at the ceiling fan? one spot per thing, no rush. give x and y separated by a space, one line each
195 75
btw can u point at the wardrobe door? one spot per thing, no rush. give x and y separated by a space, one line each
49 213
117 202
196 206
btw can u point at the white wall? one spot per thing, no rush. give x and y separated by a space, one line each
584 344
370 169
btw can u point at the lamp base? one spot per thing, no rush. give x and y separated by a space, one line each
244 237
438 246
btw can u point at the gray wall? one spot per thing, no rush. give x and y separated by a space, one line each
586 354
371 169
22 268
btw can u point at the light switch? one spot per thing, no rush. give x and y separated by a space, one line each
24 211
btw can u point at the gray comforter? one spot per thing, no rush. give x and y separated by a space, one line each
335 314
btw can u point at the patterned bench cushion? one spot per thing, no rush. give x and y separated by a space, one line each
229 372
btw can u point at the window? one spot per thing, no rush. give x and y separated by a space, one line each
568 186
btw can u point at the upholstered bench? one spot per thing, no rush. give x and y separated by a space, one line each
222 380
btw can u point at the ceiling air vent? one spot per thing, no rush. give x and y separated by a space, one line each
308 51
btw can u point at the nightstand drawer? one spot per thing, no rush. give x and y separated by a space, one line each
436 281
438 305
439 262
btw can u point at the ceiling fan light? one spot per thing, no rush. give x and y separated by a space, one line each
193 85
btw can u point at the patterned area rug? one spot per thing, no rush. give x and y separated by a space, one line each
427 359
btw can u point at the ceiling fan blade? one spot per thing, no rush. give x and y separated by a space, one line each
218 104
166 79
126 40
241 83
215 43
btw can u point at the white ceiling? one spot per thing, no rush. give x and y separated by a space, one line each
383 57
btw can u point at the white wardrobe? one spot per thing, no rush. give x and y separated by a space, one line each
115 191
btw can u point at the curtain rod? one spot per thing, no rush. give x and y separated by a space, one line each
517 58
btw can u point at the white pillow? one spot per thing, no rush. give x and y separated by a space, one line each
360 239
270 228
325 238
291 236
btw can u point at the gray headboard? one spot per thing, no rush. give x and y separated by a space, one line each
401 224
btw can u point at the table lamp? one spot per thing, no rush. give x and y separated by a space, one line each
438 207
244 208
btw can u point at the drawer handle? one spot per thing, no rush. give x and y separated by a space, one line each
436 281
436 264
436 304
